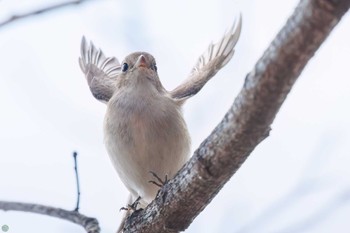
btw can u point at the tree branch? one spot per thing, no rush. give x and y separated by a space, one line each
90 224
40 11
245 124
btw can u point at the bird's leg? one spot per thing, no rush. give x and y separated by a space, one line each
159 181
133 206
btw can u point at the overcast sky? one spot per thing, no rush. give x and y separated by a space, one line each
297 180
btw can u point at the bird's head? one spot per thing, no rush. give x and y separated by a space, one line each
139 69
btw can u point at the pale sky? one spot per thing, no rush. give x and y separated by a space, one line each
297 180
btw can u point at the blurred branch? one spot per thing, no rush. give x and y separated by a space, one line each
245 124
306 186
324 212
90 224
40 11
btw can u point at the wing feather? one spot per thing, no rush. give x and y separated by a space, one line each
209 63
100 72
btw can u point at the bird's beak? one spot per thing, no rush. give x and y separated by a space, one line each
141 61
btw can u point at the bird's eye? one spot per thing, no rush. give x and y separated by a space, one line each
125 67
154 67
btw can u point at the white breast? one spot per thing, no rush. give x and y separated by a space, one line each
145 132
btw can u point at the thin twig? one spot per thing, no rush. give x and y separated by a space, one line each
16 17
90 224
75 154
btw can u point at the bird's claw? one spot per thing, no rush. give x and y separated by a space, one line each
159 181
133 206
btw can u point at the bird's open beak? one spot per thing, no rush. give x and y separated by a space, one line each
141 61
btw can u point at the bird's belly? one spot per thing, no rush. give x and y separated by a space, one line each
139 142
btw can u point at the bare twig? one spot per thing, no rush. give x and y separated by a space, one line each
90 224
75 154
40 11
246 123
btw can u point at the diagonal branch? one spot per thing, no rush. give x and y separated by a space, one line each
40 11
90 224
245 124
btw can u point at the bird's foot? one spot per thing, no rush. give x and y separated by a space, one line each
133 206
159 182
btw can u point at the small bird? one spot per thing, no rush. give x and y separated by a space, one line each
144 129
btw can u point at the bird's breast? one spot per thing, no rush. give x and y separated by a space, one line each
145 134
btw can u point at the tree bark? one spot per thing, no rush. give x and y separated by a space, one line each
245 124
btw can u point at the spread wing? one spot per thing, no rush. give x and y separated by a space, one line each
100 72
212 60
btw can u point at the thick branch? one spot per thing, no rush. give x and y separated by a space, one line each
90 224
246 123
40 11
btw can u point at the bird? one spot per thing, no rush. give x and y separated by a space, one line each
145 133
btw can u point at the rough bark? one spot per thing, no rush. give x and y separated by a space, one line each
245 124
